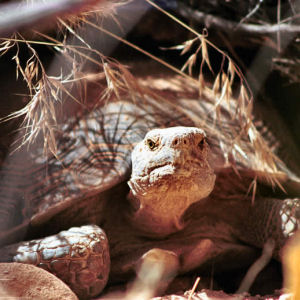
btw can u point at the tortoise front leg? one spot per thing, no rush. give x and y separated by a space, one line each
274 219
155 270
78 256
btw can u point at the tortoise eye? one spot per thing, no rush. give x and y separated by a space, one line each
151 144
201 144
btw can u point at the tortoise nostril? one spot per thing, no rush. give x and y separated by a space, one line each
178 141
201 144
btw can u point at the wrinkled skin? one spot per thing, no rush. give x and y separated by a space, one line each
170 171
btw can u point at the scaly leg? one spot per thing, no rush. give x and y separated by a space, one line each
274 219
78 256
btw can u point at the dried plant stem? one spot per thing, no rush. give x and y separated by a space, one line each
194 288
256 268
58 44
169 66
202 37
118 81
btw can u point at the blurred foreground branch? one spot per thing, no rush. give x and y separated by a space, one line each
20 15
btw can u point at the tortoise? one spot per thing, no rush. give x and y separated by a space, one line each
185 206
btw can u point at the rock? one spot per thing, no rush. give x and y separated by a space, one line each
30 282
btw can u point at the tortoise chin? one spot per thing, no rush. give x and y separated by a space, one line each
160 200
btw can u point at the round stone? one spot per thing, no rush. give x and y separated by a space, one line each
25 281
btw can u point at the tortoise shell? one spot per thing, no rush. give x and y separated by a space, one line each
85 181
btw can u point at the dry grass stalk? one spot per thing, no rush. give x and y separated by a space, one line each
46 91
194 288
239 107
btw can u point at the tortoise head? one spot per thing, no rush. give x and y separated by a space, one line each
170 171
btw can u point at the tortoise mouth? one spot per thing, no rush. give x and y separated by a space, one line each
161 168
178 169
